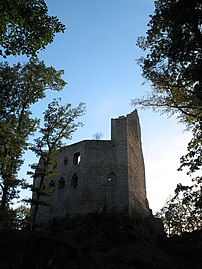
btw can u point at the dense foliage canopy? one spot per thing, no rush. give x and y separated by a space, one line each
26 27
21 86
173 65
174 62
183 212
59 124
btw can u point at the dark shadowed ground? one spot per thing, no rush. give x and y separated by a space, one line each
100 241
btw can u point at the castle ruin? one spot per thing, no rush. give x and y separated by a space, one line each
97 175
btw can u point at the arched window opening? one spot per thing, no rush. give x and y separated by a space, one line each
74 181
65 160
112 179
77 158
61 184
52 184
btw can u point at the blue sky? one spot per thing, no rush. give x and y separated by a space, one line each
98 53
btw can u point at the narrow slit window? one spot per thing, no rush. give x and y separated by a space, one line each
52 184
61 184
74 181
65 160
77 158
112 179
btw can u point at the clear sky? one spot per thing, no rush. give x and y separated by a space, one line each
98 53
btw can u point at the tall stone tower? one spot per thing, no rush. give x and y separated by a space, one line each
97 175
126 133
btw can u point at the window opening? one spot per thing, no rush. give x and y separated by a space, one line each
74 181
65 160
77 158
52 184
112 179
110 192
61 183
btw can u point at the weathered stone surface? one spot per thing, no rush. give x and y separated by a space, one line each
97 175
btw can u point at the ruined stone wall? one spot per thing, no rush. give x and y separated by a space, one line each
96 183
96 175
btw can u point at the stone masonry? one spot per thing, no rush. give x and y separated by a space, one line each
97 175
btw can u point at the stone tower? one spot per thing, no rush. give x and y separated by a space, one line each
97 175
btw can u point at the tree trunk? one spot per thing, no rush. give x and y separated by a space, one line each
36 206
4 197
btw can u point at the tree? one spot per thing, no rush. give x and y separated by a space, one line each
15 219
97 135
59 124
193 159
21 86
183 212
26 27
173 64
22 217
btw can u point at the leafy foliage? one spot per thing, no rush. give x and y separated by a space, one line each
59 124
193 159
15 219
26 27
173 66
20 87
183 212
22 217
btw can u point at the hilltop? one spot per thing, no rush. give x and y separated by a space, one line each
100 241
